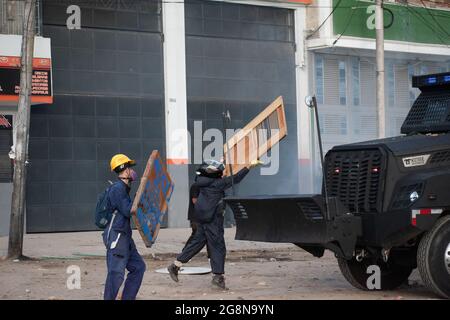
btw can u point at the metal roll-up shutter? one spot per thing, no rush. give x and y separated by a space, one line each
399 111
6 167
334 120
365 123
331 81
108 99
242 57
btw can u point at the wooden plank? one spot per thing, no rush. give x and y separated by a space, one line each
256 138
152 199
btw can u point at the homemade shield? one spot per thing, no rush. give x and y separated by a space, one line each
152 199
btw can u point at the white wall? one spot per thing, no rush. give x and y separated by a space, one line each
5 207
176 109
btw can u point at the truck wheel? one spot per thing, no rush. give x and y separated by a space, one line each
433 258
392 275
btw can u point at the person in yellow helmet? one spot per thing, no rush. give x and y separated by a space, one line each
121 252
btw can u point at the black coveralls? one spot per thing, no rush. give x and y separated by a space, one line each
209 217
194 192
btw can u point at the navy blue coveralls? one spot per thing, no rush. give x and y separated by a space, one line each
208 215
194 192
121 251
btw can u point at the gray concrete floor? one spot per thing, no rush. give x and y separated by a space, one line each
169 241
254 270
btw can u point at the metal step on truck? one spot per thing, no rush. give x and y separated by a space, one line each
384 203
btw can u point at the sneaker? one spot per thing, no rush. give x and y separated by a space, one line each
218 280
173 272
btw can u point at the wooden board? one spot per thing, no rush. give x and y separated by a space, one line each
251 143
152 199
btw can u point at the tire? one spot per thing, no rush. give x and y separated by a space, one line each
433 250
392 275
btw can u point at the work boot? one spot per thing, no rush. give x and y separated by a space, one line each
173 271
218 280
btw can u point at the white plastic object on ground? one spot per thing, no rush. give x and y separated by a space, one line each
187 270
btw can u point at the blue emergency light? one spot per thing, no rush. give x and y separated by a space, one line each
431 80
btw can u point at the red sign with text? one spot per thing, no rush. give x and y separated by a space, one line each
10 80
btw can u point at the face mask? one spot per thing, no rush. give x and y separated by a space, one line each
133 175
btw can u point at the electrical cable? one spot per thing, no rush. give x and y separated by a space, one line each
350 19
185 2
425 22
434 18
321 25
345 28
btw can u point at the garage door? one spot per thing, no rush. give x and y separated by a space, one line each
108 86
241 57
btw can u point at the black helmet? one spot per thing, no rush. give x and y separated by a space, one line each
211 168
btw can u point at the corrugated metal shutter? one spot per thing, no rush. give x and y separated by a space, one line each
364 117
368 125
331 81
241 57
402 86
398 112
367 83
333 115
6 169
108 86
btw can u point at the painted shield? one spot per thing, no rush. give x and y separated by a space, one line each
152 199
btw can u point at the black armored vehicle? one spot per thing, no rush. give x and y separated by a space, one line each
384 203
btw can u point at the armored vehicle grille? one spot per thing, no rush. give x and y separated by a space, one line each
440 157
355 177
429 113
310 210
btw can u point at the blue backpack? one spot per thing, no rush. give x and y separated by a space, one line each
103 212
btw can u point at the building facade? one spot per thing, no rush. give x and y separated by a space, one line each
343 65
137 72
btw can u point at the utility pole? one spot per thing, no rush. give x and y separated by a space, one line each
379 26
22 123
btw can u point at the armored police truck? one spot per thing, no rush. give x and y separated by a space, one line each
384 203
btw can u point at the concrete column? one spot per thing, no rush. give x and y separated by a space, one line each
177 140
325 8
305 138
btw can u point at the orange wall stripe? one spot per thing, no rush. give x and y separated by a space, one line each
34 99
300 1
177 161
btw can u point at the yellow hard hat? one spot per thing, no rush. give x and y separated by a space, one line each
120 161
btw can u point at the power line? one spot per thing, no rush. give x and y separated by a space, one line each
434 19
425 22
346 26
237 2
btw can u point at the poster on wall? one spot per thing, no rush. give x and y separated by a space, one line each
10 80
